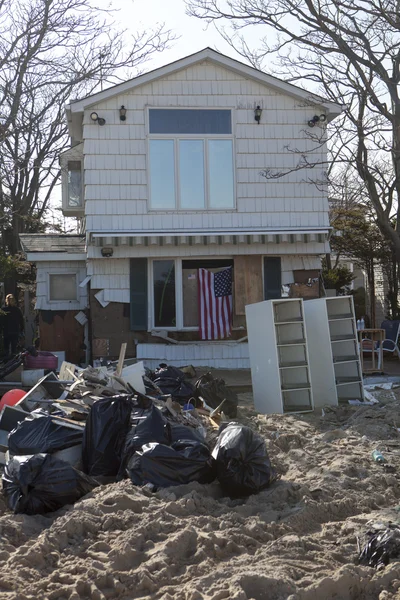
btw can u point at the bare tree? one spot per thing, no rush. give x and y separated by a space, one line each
50 52
348 51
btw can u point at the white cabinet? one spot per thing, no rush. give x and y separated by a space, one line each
303 354
278 356
333 349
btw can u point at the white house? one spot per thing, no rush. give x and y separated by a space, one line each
165 174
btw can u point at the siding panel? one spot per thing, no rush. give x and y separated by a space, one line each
115 155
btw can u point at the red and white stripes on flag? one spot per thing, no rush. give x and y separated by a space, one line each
215 304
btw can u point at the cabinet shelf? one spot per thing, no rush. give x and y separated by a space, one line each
298 409
333 350
293 387
293 365
279 356
347 380
342 338
345 359
341 317
289 321
300 342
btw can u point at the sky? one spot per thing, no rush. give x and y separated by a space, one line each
194 35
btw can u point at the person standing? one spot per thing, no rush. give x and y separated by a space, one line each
12 324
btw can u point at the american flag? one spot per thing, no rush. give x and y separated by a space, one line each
215 304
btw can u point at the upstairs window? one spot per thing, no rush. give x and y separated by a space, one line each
74 186
191 159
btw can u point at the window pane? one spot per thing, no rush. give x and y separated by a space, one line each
162 174
63 287
177 120
190 296
164 293
191 173
220 163
74 183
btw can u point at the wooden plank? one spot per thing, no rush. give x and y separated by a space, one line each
59 330
121 359
248 281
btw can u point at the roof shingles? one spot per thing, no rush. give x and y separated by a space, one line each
43 242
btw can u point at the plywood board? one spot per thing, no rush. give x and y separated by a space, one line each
248 282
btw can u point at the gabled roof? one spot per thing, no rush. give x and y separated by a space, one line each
78 106
44 243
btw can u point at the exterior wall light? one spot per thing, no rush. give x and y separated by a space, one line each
316 119
95 117
122 113
257 114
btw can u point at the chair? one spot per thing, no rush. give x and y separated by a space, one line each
389 344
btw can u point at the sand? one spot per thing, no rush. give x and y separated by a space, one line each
296 540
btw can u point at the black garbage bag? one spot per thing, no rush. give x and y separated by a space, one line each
147 424
43 483
242 462
183 432
164 466
380 546
173 381
104 436
42 434
214 391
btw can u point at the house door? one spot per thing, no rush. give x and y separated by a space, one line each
272 277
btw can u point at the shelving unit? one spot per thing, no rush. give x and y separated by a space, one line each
333 348
279 357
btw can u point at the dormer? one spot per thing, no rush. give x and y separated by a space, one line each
71 163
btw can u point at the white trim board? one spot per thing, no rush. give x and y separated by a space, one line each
54 256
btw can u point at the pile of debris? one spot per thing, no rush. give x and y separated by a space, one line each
94 426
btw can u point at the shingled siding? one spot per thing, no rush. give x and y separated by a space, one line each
116 156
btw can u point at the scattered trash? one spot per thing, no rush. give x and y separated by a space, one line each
370 398
381 386
104 436
380 546
174 382
363 402
164 466
43 433
120 420
147 424
378 457
214 392
181 432
42 483
242 462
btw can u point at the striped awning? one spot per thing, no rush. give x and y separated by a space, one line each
206 238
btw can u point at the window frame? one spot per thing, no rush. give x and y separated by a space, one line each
71 272
190 136
178 290
75 153
68 205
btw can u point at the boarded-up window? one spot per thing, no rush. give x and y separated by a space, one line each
62 287
248 282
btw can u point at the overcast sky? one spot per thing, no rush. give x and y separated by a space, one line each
193 33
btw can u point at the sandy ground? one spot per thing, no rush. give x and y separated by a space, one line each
295 541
